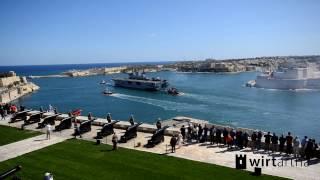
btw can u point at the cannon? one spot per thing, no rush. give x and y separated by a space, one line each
107 129
10 172
19 116
65 123
48 120
84 127
34 118
157 137
130 133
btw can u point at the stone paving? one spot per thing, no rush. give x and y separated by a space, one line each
198 152
19 148
219 155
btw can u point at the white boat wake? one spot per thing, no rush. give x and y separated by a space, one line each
166 105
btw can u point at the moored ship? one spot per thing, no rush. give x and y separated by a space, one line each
139 81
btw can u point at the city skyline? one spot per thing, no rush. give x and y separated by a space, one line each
80 32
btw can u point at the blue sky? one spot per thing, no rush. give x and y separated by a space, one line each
83 31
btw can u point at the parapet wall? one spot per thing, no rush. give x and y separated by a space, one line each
6 81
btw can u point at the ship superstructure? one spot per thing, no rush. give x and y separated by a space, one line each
140 81
290 78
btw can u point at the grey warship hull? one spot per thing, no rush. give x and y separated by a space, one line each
147 85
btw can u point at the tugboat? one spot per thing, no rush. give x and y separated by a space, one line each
139 81
173 91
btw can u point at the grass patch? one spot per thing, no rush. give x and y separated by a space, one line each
78 159
11 134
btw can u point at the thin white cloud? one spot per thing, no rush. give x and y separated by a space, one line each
152 34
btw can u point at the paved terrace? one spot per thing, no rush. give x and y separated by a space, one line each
203 152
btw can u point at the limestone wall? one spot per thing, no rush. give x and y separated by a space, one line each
6 81
17 92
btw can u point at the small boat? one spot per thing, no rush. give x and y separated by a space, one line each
173 91
107 92
103 82
251 83
76 112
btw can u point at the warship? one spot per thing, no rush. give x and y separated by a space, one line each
140 81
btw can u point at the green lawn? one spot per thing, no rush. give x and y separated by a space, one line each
78 159
11 134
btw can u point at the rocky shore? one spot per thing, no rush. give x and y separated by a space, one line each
13 87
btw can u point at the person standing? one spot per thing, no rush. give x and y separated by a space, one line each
183 132
89 116
303 146
131 120
179 140
232 133
296 145
194 132
200 131
158 124
173 143
309 148
267 140
274 141
41 109
245 139
50 108
289 139
48 127
282 140
212 134
205 133
109 118
115 141
189 133
218 136
55 110
76 130
2 113
5 113
254 140
225 135
259 137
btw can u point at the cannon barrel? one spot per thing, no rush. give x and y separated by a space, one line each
48 120
157 137
10 172
34 118
65 123
85 126
130 133
107 129
19 116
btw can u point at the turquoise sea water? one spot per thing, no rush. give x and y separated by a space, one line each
219 98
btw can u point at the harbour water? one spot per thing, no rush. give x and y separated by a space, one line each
218 98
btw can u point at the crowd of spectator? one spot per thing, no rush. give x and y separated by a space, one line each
7 109
237 139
